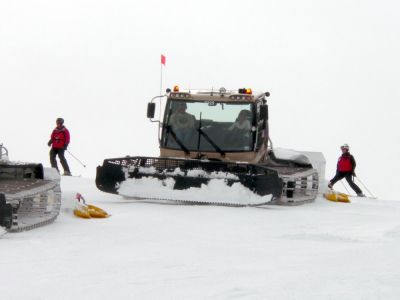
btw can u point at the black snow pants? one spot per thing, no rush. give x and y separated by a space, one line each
349 178
60 152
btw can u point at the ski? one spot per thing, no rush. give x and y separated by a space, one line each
363 197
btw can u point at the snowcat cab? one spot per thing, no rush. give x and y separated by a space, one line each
208 135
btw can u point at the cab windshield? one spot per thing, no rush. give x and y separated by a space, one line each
208 126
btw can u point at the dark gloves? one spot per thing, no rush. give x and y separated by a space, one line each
49 143
65 146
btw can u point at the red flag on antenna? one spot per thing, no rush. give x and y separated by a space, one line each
163 59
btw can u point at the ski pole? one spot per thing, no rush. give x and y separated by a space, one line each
365 186
76 159
345 187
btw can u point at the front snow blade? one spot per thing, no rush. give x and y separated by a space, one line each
188 173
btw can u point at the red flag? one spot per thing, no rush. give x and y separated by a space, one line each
163 59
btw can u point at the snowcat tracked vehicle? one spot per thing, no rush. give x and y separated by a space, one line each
30 195
209 137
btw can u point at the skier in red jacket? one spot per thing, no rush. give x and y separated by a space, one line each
59 142
345 169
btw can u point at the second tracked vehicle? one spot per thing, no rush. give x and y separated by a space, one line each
30 195
209 136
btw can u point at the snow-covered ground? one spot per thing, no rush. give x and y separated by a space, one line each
321 250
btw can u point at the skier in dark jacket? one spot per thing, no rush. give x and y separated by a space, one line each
59 142
345 169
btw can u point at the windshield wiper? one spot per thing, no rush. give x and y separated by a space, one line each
178 141
169 130
218 149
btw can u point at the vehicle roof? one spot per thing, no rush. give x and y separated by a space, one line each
212 95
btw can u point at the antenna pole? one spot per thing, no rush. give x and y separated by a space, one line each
163 61
161 71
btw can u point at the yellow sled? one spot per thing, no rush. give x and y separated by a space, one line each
90 211
336 197
87 211
82 211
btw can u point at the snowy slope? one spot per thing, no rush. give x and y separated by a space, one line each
321 250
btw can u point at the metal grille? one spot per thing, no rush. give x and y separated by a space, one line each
170 164
300 187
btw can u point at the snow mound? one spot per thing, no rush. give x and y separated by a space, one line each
288 154
191 173
51 174
216 191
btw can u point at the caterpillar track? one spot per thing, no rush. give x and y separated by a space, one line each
30 196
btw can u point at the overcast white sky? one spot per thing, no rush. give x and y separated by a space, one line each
332 68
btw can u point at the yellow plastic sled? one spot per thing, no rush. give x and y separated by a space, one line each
336 197
90 211
87 211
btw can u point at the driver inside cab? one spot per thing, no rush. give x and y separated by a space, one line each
242 122
182 123
239 132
